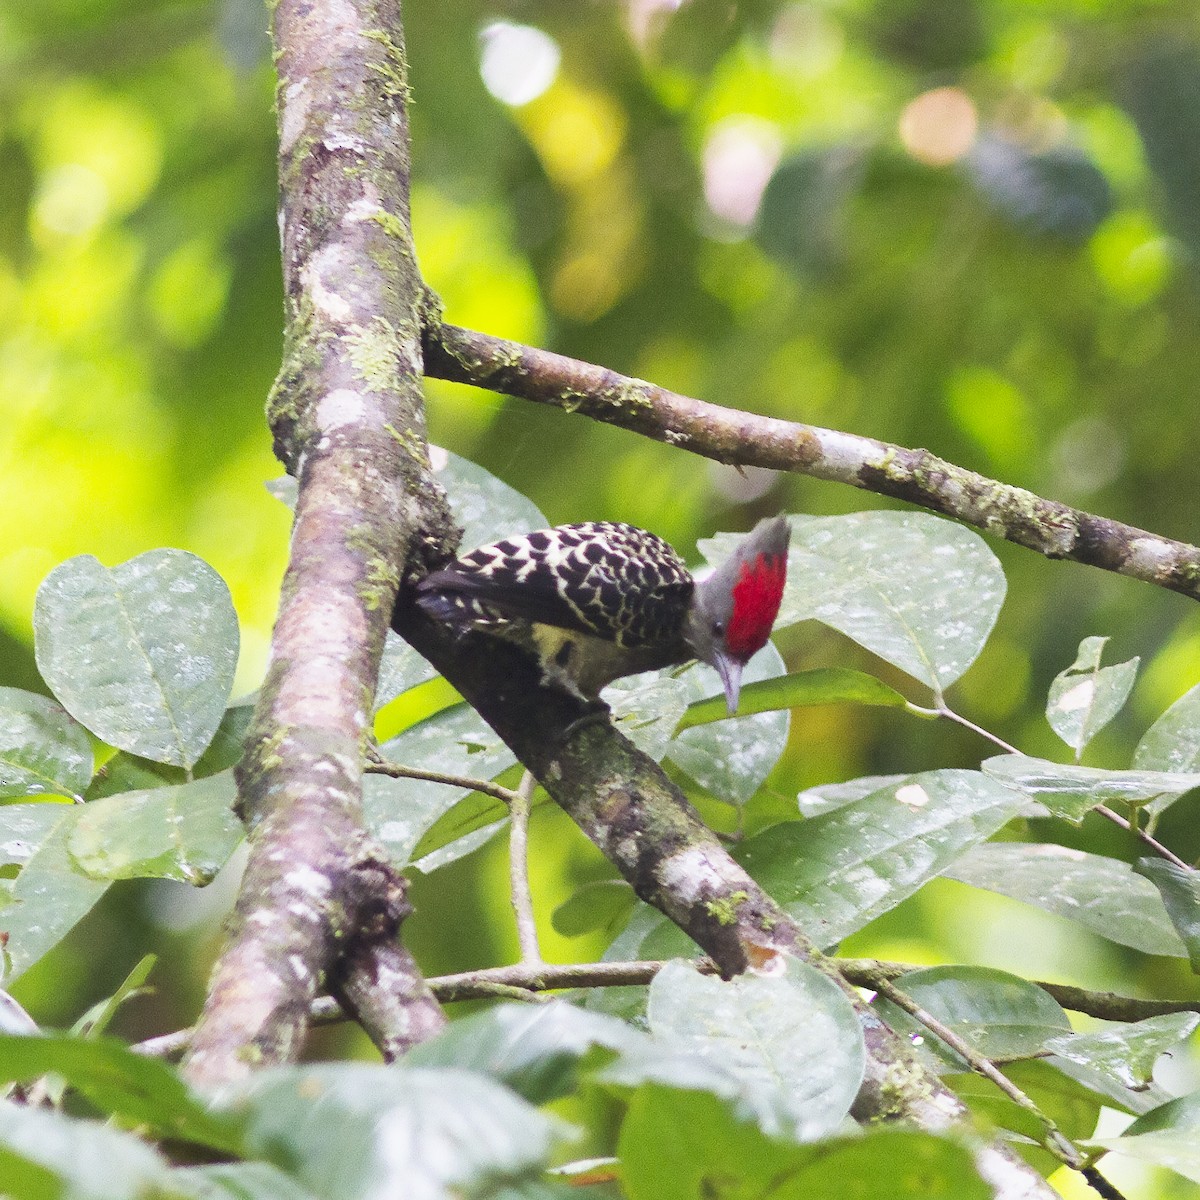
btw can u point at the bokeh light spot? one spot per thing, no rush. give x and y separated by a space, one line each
739 157
71 200
517 62
940 126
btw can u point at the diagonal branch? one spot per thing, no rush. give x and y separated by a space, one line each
320 904
623 801
730 436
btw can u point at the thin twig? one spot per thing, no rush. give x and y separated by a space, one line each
944 710
1053 1141
1107 1006
1107 813
518 872
381 766
1148 839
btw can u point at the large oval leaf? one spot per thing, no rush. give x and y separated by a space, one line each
186 832
791 1043
486 507
349 1130
1127 1050
48 897
1071 792
836 872
1100 893
997 1014
1172 743
143 654
919 591
731 758
41 748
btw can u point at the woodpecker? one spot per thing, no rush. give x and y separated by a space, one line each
600 600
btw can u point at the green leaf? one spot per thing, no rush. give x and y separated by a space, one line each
1127 1051
836 872
647 708
24 827
531 1048
1168 1136
49 897
186 832
1180 891
790 1045
349 1130
680 1145
1086 696
1072 1107
921 592
144 654
118 1082
458 847
237 1181
454 741
486 507
1102 894
1108 1089
998 1014
400 669
41 748
803 689
825 797
732 758
46 1154
1172 743
593 906
1071 792
97 1018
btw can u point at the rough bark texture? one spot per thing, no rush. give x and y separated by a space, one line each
729 436
348 420
624 802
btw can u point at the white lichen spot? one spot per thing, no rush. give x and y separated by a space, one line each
339 408
326 263
1149 556
913 795
690 874
364 210
296 104
344 141
299 967
1080 696
311 883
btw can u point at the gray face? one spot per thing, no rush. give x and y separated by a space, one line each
712 605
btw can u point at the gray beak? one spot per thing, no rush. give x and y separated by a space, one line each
731 678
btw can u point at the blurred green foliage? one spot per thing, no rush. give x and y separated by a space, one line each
969 225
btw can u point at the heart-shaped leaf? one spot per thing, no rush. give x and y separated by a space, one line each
142 654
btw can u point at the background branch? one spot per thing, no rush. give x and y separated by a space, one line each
731 436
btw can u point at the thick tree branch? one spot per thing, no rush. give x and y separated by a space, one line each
624 802
730 436
348 420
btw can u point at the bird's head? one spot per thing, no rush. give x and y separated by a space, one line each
734 609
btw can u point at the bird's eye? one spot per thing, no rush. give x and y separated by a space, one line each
718 628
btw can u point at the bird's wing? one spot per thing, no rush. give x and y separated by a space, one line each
594 578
